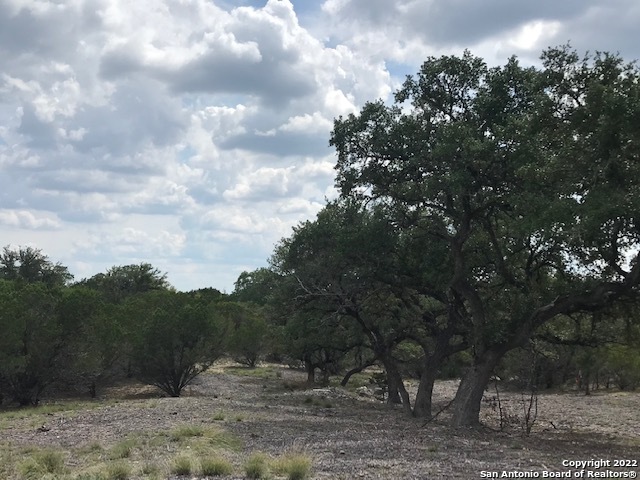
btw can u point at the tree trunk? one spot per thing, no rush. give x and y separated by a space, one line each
324 379
422 406
93 389
393 395
587 381
311 372
406 401
396 386
430 366
355 370
468 399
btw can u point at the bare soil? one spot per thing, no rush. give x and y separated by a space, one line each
350 434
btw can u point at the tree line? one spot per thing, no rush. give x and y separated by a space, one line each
126 322
486 224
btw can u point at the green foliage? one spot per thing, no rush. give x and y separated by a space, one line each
249 336
409 356
623 362
518 184
333 264
173 338
258 287
262 371
93 337
27 264
31 342
120 282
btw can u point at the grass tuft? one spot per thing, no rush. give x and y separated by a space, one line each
224 440
89 476
93 447
295 466
123 449
318 402
184 432
256 466
262 372
219 416
47 409
41 463
120 470
215 467
182 465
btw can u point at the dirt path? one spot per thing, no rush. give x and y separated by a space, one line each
353 437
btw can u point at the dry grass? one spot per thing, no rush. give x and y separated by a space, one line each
215 466
137 436
257 466
293 465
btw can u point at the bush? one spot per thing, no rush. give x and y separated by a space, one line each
174 338
624 362
249 339
31 340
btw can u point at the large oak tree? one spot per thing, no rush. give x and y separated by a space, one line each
526 179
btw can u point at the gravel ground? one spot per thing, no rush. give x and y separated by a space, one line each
353 436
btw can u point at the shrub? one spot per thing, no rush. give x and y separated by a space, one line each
249 339
31 341
624 362
174 338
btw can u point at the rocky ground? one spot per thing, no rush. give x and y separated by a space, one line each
350 434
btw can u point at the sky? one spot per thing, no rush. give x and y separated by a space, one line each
194 134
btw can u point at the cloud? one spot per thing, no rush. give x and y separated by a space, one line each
193 134
129 243
408 31
24 219
263 183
